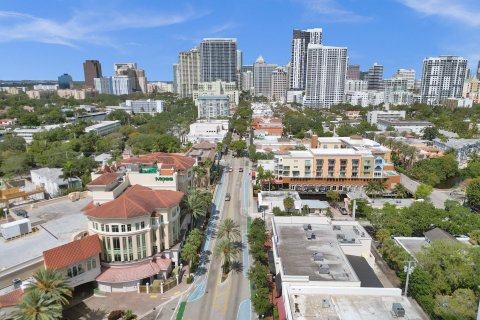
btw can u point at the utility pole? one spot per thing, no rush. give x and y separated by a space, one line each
408 269
354 208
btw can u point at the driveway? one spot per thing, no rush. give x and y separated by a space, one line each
438 197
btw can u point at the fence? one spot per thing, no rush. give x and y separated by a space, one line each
156 287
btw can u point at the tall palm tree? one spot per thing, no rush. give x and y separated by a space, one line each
229 230
269 177
36 306
52 284
196 205
375 187
228 250
68 172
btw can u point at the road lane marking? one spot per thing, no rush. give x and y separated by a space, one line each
244 310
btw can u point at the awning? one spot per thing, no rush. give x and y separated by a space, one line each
134 272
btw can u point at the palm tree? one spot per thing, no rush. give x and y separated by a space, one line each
36 306
228 250
400 191
229 229
375 187
68 172
269 177
52 284
196 205
289 203
189 253
260 176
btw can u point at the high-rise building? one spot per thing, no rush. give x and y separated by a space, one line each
188 72
121 85
210 107
407 74
300 41
262 77
91 69
353 72
375 77
326 73
239 68
65 81
176 79
103 85
397 91
442 77
279 84
138 80
478 70
247 78
218 60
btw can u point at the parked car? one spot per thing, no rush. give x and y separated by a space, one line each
230 169
227 197
21 213
240 170
343 211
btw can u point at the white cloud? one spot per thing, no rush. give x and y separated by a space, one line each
463 11
330 11
83 27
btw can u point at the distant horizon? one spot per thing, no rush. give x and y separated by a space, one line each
41 40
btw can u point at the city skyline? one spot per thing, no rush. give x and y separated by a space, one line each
41 43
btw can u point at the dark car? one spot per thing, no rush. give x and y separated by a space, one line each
240 170
227 197
21 213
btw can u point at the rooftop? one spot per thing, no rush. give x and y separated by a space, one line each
72 252
297 252
405 122
59 221
105 179
457 143
134 272
135 201
52 174
179 161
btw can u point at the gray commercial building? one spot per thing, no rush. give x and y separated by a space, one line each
218 60
188 72
375 77
353 72
262 77
443 77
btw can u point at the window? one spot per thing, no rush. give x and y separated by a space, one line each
123 228
137 226
129 227
114 228
91 263
102 226
107 228
142 224
116 249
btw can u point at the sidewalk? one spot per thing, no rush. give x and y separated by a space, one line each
98 308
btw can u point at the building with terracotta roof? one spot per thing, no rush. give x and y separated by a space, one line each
140 234
79 260
272 126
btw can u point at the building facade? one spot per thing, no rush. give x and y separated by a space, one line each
375 77
103 85
356 85
122 85
188 72
262 77
91 69
298 62
65 81
326 72
407 74
144 106
218 60
442 77
211 107
397 92
279 84
217 88
103 128
353 72
471 90
247 78
136 76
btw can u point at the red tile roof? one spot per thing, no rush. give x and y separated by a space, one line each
135 201
72 252
179 161
11 299
134 272
104 179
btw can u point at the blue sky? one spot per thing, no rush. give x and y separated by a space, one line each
42 39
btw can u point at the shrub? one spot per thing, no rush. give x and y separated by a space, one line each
190 279
116 314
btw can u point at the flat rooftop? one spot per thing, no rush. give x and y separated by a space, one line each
62 219
354 307
412 245
297 252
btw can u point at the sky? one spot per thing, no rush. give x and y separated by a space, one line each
43 39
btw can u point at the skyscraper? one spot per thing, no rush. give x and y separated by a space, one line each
91 69
300 41
375 77
188 72
353 72
406 74
262 77
442 77
326 73
65 81
239 68
279 84
218 60
247 77
478 70
138 80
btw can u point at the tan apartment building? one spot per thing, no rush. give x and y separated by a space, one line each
339 164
